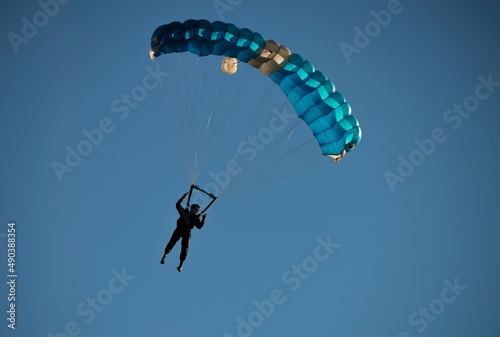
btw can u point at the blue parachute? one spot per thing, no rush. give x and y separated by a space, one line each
311 93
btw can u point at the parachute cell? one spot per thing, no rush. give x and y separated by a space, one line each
311 93
229 65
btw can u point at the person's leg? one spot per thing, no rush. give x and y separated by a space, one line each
176 235
186 238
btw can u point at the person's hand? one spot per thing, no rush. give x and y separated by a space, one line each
204 216
185 195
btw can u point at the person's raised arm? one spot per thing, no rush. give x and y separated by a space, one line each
178 206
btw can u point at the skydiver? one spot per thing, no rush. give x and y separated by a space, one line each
188 219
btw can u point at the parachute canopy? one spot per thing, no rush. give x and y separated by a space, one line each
312 94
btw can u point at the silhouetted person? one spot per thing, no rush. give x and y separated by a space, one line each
188 219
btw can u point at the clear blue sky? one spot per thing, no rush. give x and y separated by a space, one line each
398 239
